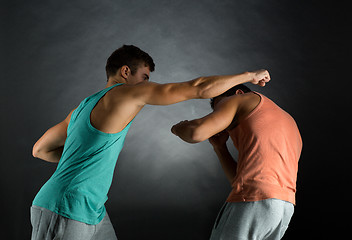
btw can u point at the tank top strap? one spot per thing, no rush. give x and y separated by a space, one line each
90 108
111 87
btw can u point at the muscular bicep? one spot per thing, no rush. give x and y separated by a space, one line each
164 94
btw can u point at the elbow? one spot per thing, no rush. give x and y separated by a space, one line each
199 132
201 88
35 151
197 136
202 94
189 131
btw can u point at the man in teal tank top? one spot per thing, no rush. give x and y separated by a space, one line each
86 145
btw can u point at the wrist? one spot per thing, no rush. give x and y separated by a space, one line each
249 76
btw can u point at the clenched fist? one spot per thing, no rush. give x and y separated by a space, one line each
260 77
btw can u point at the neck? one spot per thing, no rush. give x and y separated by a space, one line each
114 80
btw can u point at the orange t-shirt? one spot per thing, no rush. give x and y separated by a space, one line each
269 146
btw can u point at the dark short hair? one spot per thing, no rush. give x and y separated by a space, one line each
230 92
129 55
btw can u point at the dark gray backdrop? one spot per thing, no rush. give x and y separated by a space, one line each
54 54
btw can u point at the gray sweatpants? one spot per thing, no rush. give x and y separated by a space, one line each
266 219
49 225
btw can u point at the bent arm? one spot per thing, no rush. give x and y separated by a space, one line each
202 87
212 127
50 146
201 129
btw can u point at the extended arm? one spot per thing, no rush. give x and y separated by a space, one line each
203 87
50 146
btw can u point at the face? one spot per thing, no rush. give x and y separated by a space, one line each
142 75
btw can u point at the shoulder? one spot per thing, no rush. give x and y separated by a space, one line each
229 102
133 90
240 104
250 98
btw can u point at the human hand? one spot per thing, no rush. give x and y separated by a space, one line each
260 77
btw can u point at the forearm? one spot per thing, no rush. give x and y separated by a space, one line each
227 162
51 156
213 86
186 131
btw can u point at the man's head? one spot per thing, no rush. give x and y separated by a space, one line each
130 63
238 89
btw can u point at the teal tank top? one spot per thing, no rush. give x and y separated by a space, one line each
79 186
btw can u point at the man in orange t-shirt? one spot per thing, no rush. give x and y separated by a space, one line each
261 203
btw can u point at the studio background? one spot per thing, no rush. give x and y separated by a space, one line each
53 55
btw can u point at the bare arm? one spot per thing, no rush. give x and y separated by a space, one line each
203 87
50 146
186 130
228 164
213 127
201 129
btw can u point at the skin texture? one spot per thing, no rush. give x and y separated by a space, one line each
228 113
121 104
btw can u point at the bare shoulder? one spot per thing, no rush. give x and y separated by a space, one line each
238 107
121 95
248 102
229 102
115 110
140 86
246 98
251 100
131 91
159 94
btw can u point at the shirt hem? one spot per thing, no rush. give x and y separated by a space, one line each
244 198
72 216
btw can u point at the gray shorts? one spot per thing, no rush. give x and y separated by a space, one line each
49 225
266 219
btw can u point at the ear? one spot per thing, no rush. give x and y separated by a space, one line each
125 71
239 91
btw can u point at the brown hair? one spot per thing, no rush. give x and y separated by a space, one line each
129 55
230 92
